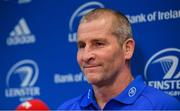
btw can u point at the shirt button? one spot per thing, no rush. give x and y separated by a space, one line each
89 93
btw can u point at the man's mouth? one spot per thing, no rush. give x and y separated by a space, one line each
91 66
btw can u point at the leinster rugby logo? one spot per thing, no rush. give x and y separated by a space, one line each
162 71
77 15
21 79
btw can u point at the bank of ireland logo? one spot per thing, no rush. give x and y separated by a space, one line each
77 15
162 71
21 79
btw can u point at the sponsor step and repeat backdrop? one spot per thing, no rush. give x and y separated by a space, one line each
38 47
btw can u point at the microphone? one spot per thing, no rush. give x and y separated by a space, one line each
34 104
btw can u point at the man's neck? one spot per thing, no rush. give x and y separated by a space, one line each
104 93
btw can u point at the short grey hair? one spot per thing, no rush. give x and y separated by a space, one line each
121 27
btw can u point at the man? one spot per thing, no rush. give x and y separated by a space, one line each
105 47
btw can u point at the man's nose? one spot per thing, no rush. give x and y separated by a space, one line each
88 55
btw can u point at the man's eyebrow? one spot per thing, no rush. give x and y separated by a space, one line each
93 40
99 40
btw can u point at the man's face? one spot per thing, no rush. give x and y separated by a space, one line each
99 55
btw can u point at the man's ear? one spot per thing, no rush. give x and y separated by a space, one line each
128 47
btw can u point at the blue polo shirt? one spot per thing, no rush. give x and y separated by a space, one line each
137 96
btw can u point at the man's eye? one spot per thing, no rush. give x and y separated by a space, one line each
99 44
80 46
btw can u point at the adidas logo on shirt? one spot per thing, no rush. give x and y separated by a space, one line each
20 35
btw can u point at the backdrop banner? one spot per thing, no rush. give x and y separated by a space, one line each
38 47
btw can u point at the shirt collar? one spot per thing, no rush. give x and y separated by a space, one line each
132 92
128 96
88 98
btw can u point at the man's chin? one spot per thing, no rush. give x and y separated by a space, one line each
93 77
94 81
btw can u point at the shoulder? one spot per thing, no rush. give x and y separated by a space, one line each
160 100
71 104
